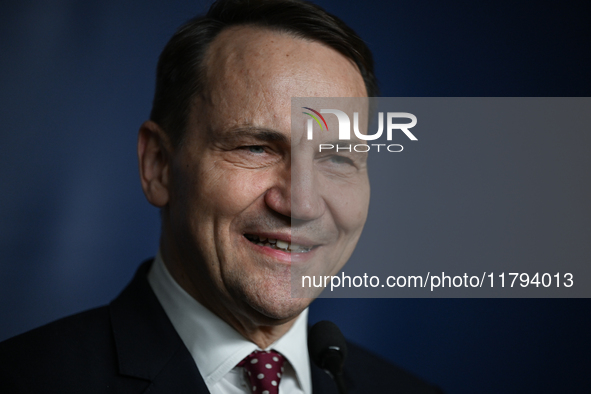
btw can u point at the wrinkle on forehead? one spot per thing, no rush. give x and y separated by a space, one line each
252 73
258 59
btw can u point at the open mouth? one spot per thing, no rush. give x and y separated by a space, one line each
278 244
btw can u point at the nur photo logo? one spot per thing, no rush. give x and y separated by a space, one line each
344 129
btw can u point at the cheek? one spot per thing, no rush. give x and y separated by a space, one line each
230 191
349 205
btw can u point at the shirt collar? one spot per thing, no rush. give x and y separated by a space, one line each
215 346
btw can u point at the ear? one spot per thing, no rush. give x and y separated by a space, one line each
154 152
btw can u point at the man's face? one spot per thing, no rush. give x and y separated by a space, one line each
231 179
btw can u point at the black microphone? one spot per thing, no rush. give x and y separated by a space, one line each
328 350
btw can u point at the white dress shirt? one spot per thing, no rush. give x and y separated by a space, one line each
217 348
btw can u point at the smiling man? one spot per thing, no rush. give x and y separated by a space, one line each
217 158
229 180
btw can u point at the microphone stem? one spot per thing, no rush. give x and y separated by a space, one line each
340 384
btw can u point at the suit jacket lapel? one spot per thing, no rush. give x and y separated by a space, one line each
147 345
149 348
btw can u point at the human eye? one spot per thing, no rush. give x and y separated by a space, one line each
253 156
342 162
338 165
337 159
255 149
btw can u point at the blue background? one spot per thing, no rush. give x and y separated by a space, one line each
77 80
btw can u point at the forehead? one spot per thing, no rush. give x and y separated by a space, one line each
252 73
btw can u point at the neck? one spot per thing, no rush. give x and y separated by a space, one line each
261 335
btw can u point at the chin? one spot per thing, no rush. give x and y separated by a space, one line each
281 312
273 304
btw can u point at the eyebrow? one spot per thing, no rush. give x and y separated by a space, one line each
260 133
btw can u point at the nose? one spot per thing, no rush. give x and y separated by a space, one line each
297 194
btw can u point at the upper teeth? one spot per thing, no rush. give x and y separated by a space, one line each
278 244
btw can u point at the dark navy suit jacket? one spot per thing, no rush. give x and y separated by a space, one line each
130 346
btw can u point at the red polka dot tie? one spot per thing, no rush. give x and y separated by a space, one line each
264 370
